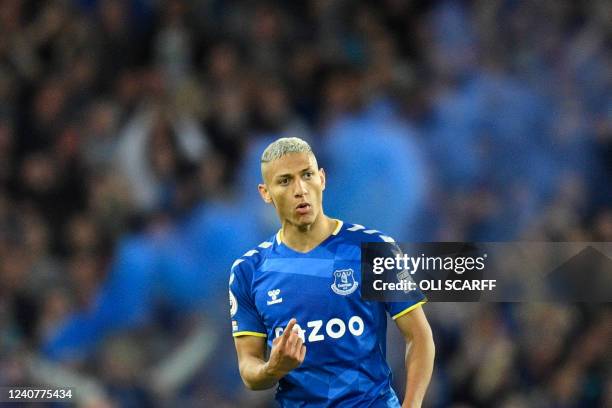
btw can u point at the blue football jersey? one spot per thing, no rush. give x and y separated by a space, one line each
345 336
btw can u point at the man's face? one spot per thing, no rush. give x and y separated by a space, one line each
294 185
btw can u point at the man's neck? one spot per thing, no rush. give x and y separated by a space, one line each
306 239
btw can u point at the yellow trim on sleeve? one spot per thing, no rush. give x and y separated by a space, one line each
408 309
249 333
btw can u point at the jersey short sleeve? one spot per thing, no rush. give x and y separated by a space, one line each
413 299
246 320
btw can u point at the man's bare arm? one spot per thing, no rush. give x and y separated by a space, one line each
288 352
420 353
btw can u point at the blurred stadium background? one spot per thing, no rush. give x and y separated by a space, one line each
130 133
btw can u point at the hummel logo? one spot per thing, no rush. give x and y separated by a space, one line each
274 297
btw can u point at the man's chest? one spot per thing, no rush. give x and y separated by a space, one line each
319 293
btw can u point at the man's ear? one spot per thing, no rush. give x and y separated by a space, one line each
322 175
264 193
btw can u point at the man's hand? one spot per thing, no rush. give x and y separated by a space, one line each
288 352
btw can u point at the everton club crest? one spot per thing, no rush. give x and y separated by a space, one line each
344 282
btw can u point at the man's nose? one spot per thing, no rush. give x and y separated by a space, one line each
300 188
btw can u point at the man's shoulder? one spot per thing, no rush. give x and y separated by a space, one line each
358 233
252 259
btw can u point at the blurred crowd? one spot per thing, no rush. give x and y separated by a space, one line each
130 136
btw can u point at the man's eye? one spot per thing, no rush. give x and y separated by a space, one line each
308 174
283 181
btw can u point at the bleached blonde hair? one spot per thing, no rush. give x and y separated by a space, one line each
283 146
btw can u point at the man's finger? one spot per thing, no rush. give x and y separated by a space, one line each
287 331
294 337
289 328
297 345
302 353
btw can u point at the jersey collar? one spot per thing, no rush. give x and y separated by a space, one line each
339 223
